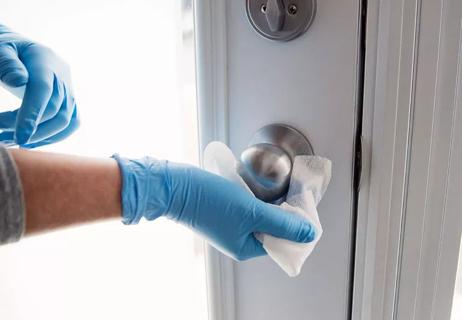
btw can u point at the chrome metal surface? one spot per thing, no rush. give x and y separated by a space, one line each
266 165
292 9
266 170
275 15
281 20
263 8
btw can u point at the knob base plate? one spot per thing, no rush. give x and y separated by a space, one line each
292 141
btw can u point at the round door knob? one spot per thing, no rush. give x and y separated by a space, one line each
266 165
266 170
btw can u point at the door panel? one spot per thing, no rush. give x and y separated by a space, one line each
311 84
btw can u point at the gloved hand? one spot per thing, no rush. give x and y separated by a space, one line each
48 112
223 212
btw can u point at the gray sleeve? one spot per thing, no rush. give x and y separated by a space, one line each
11 200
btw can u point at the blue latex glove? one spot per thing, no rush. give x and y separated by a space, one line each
223 212
48 112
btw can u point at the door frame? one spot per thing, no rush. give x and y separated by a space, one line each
395 239
212 102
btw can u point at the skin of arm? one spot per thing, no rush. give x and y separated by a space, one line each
63 190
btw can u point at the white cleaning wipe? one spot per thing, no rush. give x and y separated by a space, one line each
309 180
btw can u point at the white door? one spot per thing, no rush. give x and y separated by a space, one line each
312 84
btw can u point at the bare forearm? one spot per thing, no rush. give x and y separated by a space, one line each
62 190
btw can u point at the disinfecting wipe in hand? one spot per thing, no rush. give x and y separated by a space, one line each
309 180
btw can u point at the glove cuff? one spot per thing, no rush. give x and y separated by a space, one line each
145 192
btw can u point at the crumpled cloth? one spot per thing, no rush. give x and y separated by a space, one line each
308 183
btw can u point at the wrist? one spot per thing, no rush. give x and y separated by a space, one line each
145 189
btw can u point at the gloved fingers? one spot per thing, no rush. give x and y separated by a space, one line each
8 120
252 248
38 92
12 71
56 100
282 224
7 137
61 122
73 126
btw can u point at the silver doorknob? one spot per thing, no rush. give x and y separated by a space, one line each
266 165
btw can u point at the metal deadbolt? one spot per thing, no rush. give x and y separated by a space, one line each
281 19
266 164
